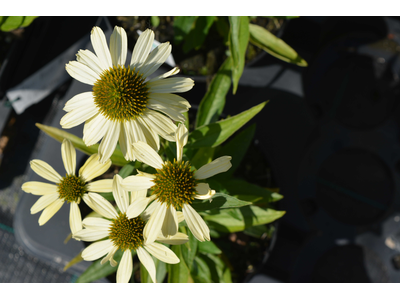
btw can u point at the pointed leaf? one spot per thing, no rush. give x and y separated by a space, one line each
219 201
198 33
209 247
178 273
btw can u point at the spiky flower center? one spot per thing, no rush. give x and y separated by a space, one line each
121 94
127 233
175 184
71 188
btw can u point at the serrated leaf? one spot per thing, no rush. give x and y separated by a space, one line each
250 216
213 102
97 271
265 40
209 247
58 134
214 134
219 201
238 41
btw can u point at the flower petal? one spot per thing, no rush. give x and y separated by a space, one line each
100 186
125 140
93 168
181 140
162 252
147 262
97 250
144 153
203 191
88 58
168 110
43 202
78 101
90 235
100 47
101 206
219 165
96 223
171 85
137 206
137 183
118 46
172 72
44 170
178 239
170 224
68 155
152 138
121 196
196 224
79 115
110 257
176 102
39 188
156 58
142 49
109 142
50 211
81 72
125 267
153 226
95 128
160 124
75 218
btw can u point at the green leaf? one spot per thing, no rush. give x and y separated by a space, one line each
250 216
283 17
202 157
197 35
155 21
97 271
219 271
58 134
237 148
127 170
209 247
219 201
161 271
201 272
265 40
178 273
182 26
213 102
214 134
28 20
189 249
222 26
238 41
11 23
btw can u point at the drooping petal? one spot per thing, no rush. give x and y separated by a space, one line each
44 170
196 224
144 153
39 188
93 168
109 142
160 124
153 226
147 262
152 138
50 211
203 191
170 224
95 128
162 252
75 218
68 155
126 140
100 186
178 239
142 49
125 267
118 46
219 165
78 101
121 196
137 183
89 59
171 85
110 257
100 47
101 206
96 250
156 58
43 202
81 72
89 235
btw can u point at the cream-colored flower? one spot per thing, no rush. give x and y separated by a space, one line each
123 105
70 188
174 187
123 233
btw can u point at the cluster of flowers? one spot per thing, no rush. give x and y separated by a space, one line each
125 106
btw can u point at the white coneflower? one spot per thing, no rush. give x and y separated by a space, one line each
70 188
123 233
123 105
174 187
